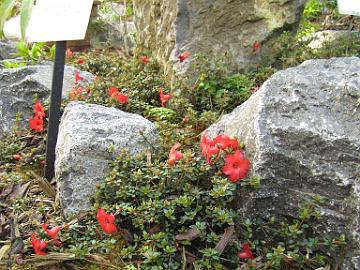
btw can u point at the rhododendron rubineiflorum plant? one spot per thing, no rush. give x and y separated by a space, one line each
36 122
174 154
52 233
106 221
38 245
164 97
246 252
115 94
236 165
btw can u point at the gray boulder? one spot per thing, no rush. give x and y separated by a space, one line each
7 49
213 28
87 134
302 136
19 87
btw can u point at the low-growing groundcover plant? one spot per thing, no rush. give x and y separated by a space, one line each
174 209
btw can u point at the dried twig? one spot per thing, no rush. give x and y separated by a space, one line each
47 188
225 239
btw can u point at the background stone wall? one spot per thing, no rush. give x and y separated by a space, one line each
212 27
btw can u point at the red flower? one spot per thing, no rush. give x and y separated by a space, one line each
36 123
38 245
75 93
175 154
183 56
208 147
39 109
106 221
164 97
16 157
144 59
255 46
246 253
224 142
236 166
69 53
81 61
121 98
52 233
78 78
113 91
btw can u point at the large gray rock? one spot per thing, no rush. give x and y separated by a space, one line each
212 27
302 135
86 135
7 49
19 87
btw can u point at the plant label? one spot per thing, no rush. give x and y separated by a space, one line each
350 7
56 20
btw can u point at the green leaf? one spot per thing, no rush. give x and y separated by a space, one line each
26 9
5 10
22 50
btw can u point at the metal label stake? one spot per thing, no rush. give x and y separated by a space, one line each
60 21
54 109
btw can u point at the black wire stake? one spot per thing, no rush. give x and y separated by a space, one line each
54 110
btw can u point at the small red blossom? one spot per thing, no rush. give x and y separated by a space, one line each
236 166
121 98
246 252
36 123
16 157
208 147
81 61
224 142
164 97
69 53
183 56
39 109
113 91
175 154
42 163
255 46
52 233
38 245
75 93
106 221
145 59
78 77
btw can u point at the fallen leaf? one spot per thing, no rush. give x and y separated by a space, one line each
189 235
17 246
19 190
155 229
4 250
5 192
